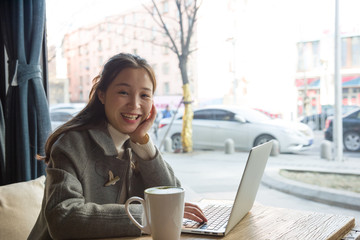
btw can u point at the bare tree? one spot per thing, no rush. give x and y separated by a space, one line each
180 35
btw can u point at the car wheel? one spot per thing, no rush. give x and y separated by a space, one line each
263 139
176 141
352 141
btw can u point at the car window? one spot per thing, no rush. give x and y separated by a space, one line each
223 115
353 115
253 115
60 116
203 114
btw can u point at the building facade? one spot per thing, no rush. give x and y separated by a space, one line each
86 50
315 78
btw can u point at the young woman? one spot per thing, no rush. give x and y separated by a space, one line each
103 156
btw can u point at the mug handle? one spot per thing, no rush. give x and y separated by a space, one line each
146 228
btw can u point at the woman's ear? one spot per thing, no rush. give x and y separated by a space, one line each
101 96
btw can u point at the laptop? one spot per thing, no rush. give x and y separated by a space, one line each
223 217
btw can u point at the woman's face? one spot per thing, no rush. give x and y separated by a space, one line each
128 99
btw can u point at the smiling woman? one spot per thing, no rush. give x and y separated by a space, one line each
103 156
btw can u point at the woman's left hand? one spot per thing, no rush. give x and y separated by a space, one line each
140 134
193 212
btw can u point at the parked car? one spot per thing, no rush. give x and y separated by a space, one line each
212 126
317 121
351 130
61 113
65 106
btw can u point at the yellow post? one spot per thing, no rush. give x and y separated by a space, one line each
186 134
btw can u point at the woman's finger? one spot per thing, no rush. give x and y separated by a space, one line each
194 212
192 217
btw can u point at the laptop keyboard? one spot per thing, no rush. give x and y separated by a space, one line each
217 216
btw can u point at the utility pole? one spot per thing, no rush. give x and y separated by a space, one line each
337 127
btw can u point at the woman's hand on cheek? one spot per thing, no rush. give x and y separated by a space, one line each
140 134
193 212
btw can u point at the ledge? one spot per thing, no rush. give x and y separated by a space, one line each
334 197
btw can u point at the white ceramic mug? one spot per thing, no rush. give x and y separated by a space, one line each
163 212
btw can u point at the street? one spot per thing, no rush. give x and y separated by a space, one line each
216 175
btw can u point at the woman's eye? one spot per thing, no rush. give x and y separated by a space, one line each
123 93
145 96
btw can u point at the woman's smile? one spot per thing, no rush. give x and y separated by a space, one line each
130 116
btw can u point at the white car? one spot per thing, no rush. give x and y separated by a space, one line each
61 113
212 126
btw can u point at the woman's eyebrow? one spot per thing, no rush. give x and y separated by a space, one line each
122 84
127 85
147 89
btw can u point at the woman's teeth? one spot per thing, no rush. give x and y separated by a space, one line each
130 116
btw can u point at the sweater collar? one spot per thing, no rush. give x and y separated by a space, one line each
103 138
119 138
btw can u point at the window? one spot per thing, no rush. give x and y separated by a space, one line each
214 114
154 67
100 45
125 40
166 48
308 56
87 64
203 114
355 53
81 83
223 115
344 52
101 28
153 50
165 7
109 27
350 52
165 68
81 95
134 18
153 33
166 88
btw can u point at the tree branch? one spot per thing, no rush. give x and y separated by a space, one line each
163 25
191 24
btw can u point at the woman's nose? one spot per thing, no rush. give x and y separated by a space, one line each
134 102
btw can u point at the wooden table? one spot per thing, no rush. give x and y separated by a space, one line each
264 222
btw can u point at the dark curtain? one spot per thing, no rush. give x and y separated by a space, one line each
27 118
2 146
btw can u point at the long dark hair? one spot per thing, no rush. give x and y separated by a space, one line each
93 113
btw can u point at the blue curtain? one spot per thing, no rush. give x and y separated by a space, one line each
27 118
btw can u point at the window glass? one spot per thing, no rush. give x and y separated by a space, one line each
223 115
203 114
282 68
355 50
